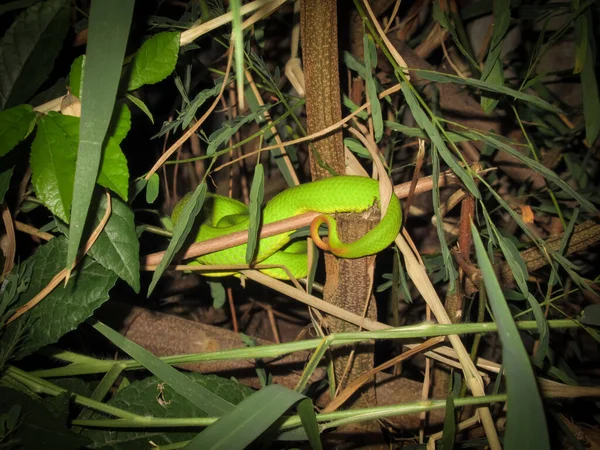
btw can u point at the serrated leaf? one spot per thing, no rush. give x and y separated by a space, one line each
64 308
526 425
152 188
240 427
28 50
257 193
184 223
151 397
39 427
15 125
155 60
53 159
76 76
117 247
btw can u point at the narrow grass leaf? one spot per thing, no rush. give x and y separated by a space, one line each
434 134
141 105
240 427
449 424
526 98
201 397
376 117
526 425
257 194
238 48
543 330
109 24
306 411
589 83
183 226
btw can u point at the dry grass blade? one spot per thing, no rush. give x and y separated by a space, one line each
10 242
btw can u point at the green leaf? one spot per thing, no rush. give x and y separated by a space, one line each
589 84
449 433
53 160
200 396
526 425
5 176
15 125
38 426
53 155
306 411
76 76
257 194
238 45
28 50
184 221
108 30
64 308
141 105
120 123
240 427
155 60
543 330
357 148
434 134
152 188
153 398
591 315
117 248
114 173
230 128
439 77
218 294
369 50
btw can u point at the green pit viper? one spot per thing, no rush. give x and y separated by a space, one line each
223 215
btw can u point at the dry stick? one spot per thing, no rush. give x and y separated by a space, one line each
63 273
11 249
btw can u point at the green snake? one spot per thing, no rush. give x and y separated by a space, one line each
223 215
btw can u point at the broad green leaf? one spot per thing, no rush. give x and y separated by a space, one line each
38 426
218 294
28 50
117 248
155 60
439 77
197 394
120 123
76 76
153 398
257 194
53 155
109 23
230 128
152 188
64 308
306 411
184 221
241 426
114 173
15 125
53 159
526 425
